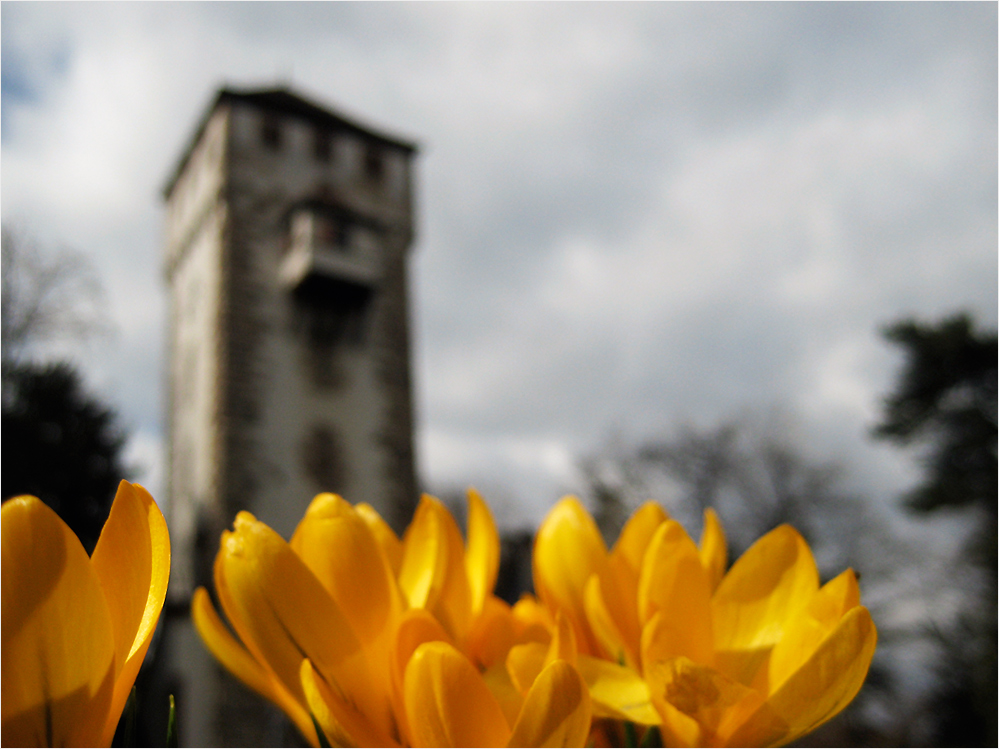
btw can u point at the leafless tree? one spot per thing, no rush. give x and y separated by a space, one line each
47 298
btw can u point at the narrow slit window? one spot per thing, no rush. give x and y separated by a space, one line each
374 165
270 133
323 146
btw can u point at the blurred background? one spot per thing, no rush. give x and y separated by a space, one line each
741 256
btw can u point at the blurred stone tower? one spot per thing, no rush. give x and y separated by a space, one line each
287 232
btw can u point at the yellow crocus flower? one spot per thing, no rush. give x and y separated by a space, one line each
352 627
76 628
759 655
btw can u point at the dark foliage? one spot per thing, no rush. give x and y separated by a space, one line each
946 398
61 445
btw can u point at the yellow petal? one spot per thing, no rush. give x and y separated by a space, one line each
674 584
390 544
805 632
617 691
563 643
416 627
57 644
556 711
602 620
835 598
433 574
341 722
454 607
637 533
334 734
714 549
718 705
132 561
534 621
239 662
765 588
497 678
283 614
567 550
493 633
830 678
424 558
524 663
448 702
763 728
612 612
342 552
482 556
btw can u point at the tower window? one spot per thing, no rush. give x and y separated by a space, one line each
374 165
323 146
335 233
270 133
322 458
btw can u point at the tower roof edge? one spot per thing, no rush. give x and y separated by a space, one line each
282 100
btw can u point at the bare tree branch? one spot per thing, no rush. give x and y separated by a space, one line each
46 298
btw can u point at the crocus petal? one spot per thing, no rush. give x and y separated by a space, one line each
510 698
830 678
533 620
524 663
765 588
563 642
57 642
617 691
333 733
416 627
132 561
611 607
448 702
482 555
602 619
341 722
835 598
454 607
567 550
342 552
718 705
433 573
637 533
243 665
390 544
424 557
283 614
493 633
713 548
674 583
805 632
556 711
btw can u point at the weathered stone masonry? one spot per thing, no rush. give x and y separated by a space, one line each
288 228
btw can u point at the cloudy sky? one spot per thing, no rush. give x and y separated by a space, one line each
631 217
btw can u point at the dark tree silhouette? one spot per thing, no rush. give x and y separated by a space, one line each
61 445
945 402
